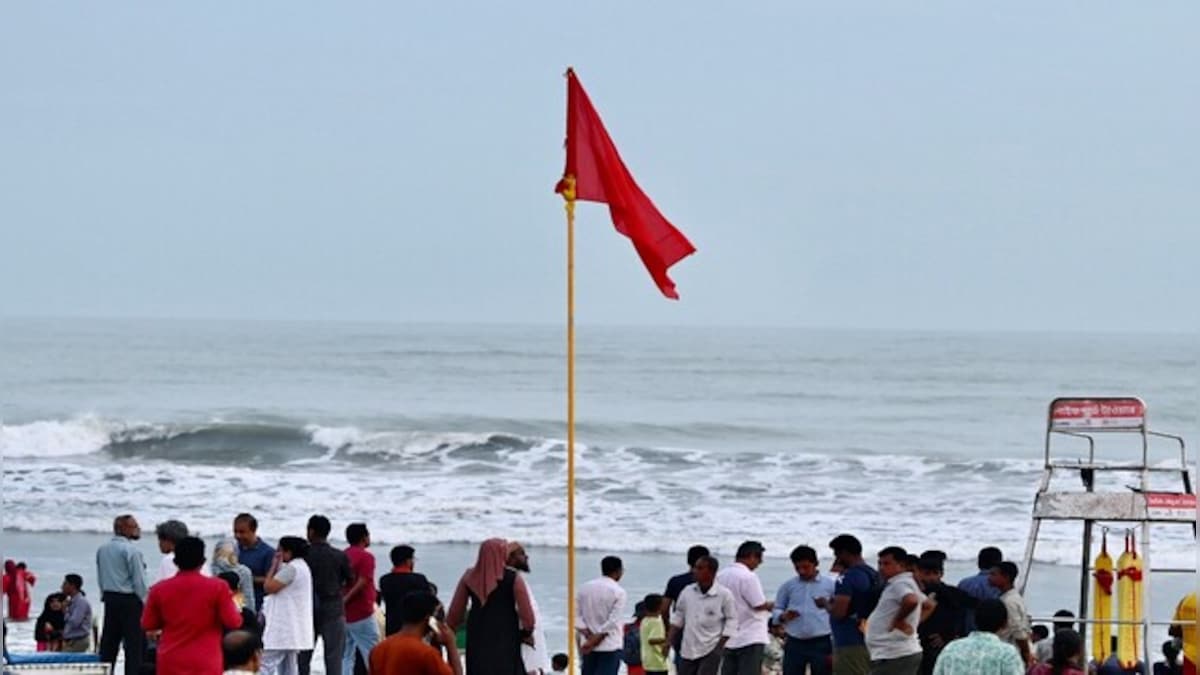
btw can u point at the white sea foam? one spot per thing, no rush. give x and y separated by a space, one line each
425 487
57 438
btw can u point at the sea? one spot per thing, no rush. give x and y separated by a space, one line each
445 435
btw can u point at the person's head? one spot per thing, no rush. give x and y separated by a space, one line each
169 533
892 561
189 554
10 566
245 530
319 528
639 611
989 557
804 561
417 607
125 525
910 562
929 569
22 566
559 662
291 548
750 554
1038 633
653 604
72 584
55 602
1170 650
991 616
1064 625
403 556
847 549
357 535
695 553
1068 648
934 553
705 571
226 552
242 650
612 567
518 559
231 579
1003 576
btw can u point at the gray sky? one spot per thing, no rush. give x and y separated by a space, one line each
947 165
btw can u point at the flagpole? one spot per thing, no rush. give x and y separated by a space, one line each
568 194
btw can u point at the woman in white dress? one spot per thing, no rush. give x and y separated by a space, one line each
287 609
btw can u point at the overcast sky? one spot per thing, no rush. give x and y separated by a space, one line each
914 165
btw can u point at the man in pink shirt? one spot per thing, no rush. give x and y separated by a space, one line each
362 633
193 612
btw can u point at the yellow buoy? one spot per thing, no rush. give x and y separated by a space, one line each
1102 590
1129 604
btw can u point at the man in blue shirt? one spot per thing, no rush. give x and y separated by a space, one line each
253 553
798 609
977 587
854 597
121 575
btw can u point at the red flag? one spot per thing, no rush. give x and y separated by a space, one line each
601 176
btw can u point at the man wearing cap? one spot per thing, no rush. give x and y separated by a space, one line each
945 612
743 653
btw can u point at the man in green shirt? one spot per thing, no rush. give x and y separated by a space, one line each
654 637
982 652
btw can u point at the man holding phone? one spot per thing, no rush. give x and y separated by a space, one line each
800 609
417 648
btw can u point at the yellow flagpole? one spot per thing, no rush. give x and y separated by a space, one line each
568 194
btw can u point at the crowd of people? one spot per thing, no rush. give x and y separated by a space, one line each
262 609
899 617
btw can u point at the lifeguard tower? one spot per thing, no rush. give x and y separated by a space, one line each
1132 498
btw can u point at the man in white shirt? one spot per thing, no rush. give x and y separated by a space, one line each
705 615
744 652
169 533
891 636
599 611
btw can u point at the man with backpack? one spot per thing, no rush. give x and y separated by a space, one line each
853 599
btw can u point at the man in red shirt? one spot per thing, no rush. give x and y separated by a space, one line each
193 612
407 653
362 633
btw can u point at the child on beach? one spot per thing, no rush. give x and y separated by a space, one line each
653 637
48 631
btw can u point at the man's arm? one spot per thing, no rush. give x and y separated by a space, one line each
359 584
137 571
907 604
731 622
756 598
76 615
781 612
672 635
